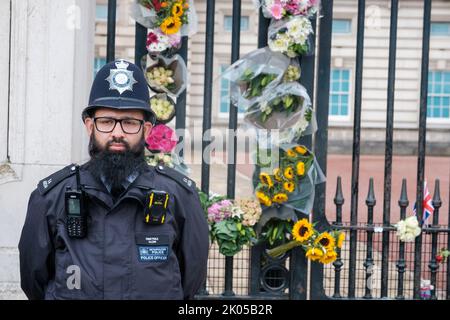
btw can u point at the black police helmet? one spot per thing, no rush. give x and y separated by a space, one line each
120 85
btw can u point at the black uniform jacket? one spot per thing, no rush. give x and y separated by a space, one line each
122 257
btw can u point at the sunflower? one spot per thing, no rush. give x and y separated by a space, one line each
326 240
276 174
302 230
289 186
289 173
328 257
300 149
280 198
314 254
266 179
340 240
300 168
177 9
263 198
171 25
291 153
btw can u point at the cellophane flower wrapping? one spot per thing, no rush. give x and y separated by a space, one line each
286 111
255 74
304 174
179 73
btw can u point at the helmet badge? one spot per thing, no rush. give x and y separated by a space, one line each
121 79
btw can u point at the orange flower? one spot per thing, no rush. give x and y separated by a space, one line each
164 4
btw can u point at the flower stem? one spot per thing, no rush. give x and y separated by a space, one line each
278 251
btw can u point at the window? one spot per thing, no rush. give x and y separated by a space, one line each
438 95
339 92
101 12
228 23
440 29
224 107
98 64
342 26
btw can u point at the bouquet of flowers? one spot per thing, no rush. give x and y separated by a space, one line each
286 108
278 9
168 21
231 222
255 74
163 107
291 36
408 229
158 42
167 75
161 143
321 247
275 188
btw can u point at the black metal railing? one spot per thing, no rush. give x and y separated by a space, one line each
369 283
356 273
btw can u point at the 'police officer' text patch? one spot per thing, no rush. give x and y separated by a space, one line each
153 253
152 248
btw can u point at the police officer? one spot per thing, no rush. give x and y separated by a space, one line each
114 228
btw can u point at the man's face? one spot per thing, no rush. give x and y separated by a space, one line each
116 140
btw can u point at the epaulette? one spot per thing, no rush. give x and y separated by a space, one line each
181 179
45 185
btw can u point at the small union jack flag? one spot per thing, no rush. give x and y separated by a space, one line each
427 204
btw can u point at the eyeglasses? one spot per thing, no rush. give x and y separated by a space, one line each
128 125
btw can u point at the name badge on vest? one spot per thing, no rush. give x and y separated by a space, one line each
152 248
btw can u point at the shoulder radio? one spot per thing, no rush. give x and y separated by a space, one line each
76 211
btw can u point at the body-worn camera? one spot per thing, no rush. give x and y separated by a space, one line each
156 207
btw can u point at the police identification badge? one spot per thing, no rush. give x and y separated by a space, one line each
121 79
152 248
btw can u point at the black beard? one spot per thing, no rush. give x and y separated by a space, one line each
115 167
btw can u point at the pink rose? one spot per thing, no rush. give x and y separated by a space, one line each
162 139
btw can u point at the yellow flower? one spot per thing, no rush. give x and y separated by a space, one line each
302 150
177 9
276 174
289 186
328 257
314 254
289 173
280 198
326 240
290 153
302 230
300 168
171 25
263 198
266 179
340 240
